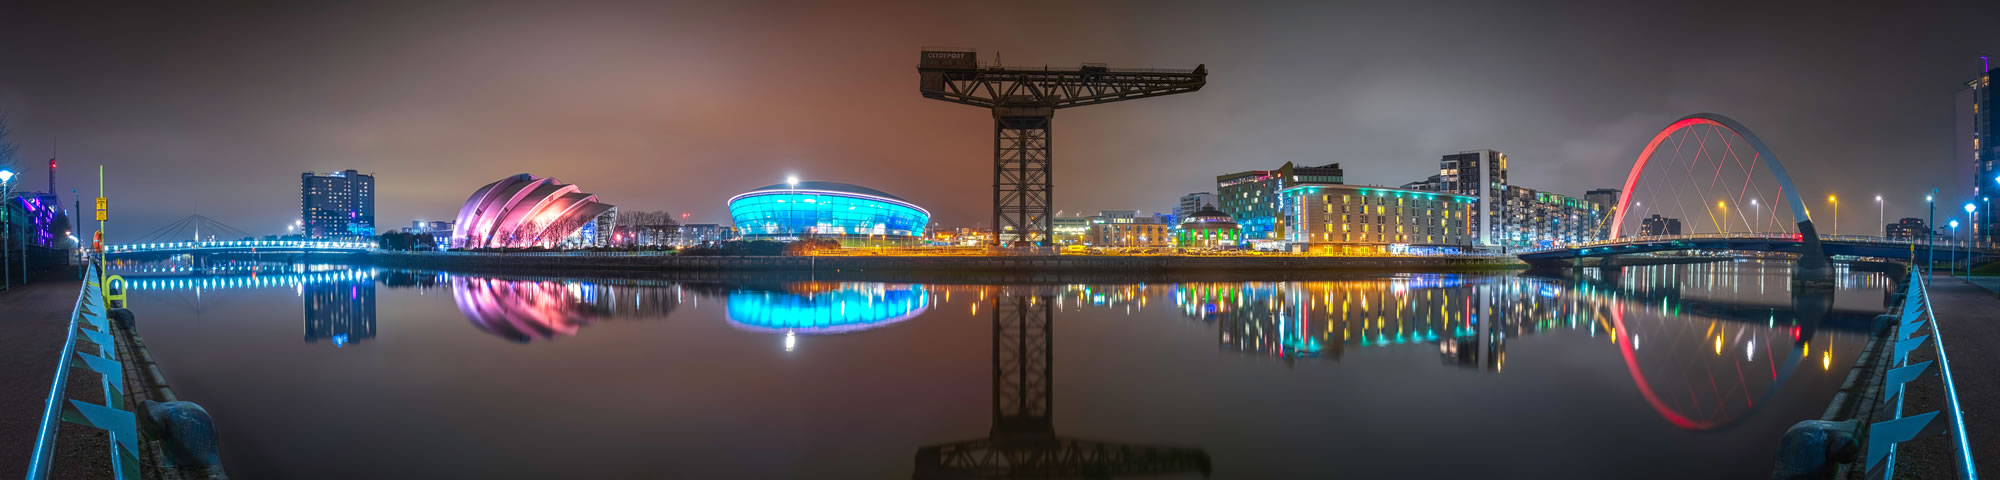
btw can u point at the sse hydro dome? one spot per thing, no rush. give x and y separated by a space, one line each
851 214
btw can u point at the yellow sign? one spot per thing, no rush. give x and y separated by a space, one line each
100 215
100 203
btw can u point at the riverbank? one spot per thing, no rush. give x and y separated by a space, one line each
646 261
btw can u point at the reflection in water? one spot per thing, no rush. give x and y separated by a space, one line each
526 310
1023 442
824 307
1714 352
339 312
1699 347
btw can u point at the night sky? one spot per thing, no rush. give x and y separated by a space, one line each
217 108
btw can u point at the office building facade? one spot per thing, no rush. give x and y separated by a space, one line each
1977 119
337 206
1193 202
1336 218
1481 174
1534 218
1908 229
1130 234
1251 198
1657 225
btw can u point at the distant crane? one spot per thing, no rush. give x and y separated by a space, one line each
1024 102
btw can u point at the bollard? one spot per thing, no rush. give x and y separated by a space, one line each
1816 449
122 316
1883 321
187 438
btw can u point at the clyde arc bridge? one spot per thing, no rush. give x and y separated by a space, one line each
1711 172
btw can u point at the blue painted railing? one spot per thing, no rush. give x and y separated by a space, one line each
90 317
1917 316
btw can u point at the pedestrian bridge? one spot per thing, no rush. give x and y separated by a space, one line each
241 246
1855 246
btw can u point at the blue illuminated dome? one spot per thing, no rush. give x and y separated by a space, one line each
846 308
832 210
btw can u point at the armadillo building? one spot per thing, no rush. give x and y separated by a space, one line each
523 211
851 214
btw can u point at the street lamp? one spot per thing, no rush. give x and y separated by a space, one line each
1757 214
1968 237
1930 234
1836 213
6 230
1954 250
1879 218
1725 215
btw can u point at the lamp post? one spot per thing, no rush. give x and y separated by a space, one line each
1969 209
1879 218
1953 248
792 203
1836 213
1725 215
1756 214
1930 234
6 231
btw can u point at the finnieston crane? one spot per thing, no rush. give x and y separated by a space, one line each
1024 102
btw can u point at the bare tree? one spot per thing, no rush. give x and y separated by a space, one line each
7 148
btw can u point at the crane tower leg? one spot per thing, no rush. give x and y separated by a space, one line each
1022 194
1023 364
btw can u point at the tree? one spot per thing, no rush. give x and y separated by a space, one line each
7 148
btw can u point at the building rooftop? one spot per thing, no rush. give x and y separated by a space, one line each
830 187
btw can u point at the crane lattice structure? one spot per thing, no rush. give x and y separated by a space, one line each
1023 442
1024 102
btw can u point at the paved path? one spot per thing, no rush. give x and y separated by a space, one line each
32 323
1969 320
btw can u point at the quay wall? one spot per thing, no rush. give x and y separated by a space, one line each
1045 263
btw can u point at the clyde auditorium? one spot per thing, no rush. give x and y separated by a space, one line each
851 214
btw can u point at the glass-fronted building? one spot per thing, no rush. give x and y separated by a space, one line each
851 214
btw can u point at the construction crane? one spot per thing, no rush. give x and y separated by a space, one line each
1024 102
1023 442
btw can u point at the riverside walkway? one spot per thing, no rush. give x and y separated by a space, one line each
1966 317
32 322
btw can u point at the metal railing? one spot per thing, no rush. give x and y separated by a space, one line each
1917 315
91 311
147 247
1940 243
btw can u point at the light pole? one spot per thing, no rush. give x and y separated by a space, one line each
1879 218
1836 213
1953 250
1971 227
792 213
1756 214
1725 215
1930 234
6 231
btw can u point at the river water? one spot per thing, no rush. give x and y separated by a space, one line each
1685 371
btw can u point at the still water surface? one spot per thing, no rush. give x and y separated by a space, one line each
1688 371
